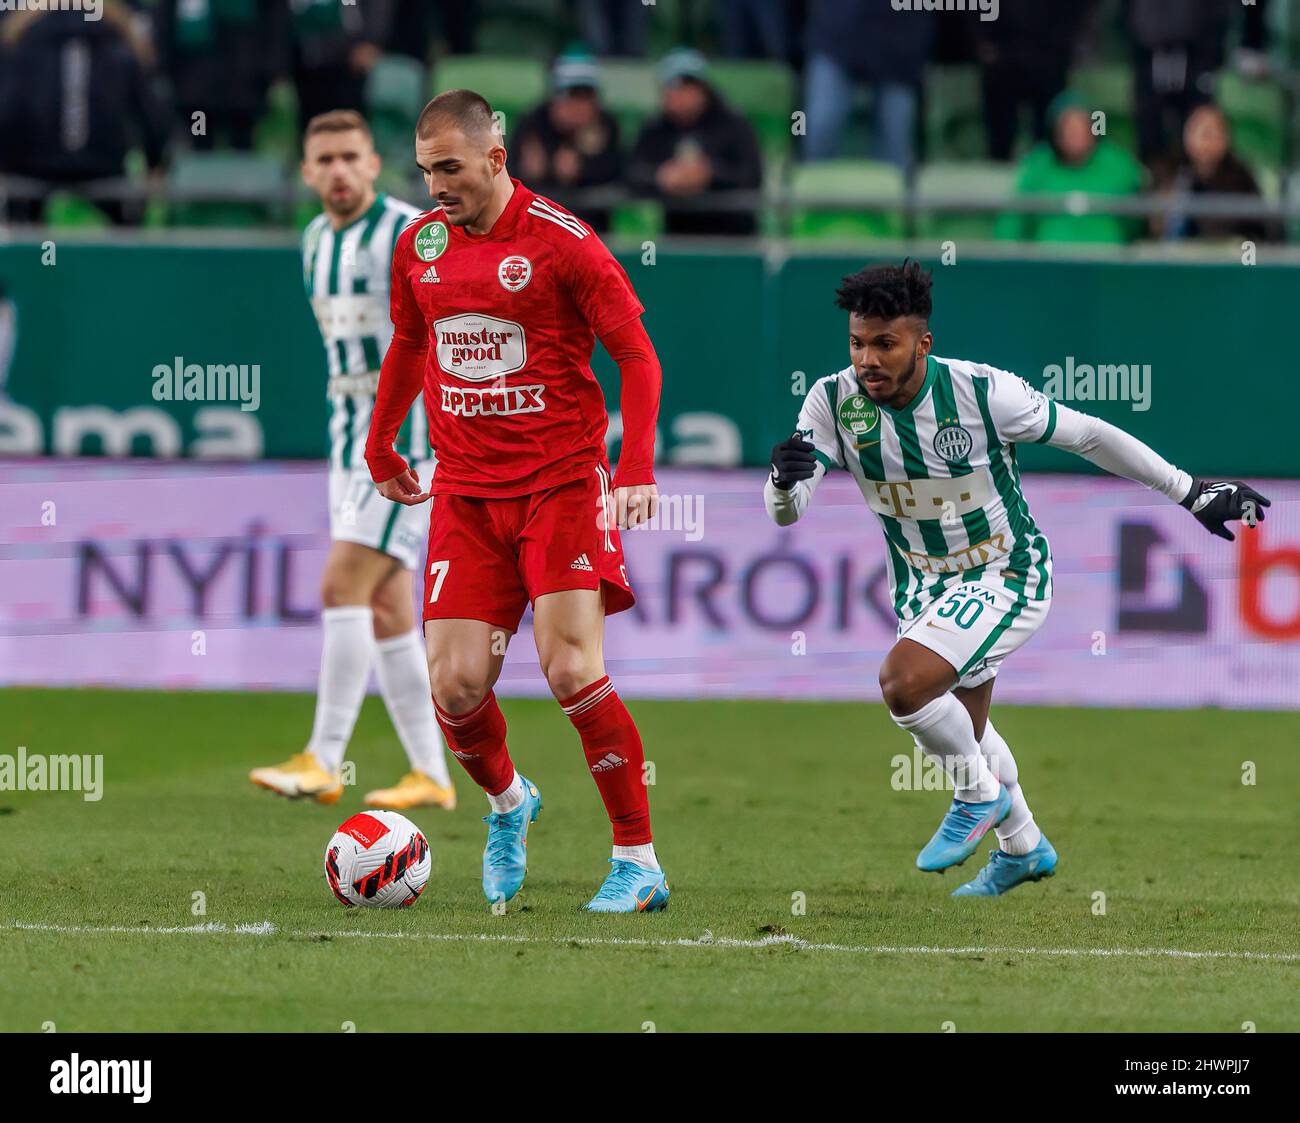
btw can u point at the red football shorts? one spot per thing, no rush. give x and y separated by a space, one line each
488 558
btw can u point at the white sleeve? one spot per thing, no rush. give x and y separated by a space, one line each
1022 414
817 426
1118 452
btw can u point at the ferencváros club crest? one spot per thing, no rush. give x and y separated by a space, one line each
430 241
514 272
953 443
859 415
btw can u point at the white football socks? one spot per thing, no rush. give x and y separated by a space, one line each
643 856
403 677
344 670
944 731
1017 833
505 802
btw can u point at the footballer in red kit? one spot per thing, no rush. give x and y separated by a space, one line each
497 298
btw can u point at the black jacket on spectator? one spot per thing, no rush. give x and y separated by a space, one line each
322 35
221 60
1231 177
76 95
871 40
727 139
600 161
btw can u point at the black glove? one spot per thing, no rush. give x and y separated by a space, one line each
792 461
1216 502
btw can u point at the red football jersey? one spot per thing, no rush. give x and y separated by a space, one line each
509 319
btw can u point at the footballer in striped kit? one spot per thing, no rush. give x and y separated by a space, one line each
347 253
931 443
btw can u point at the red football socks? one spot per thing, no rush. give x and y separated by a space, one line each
614 754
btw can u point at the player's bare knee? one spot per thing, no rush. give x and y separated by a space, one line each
457 686
903 689
569 670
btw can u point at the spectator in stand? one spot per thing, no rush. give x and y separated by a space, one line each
333 47
1073 160
1025 57
1178 46
75 96
697 145
614 27
753 29
854 43
1210 167
220 57
570 142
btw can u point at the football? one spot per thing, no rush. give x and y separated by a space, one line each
378 860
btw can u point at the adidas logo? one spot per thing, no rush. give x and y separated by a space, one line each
607 762
582 562
430 276
464 756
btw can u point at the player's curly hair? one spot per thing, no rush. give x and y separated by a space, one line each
887 291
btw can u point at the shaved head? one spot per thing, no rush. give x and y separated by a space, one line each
462 110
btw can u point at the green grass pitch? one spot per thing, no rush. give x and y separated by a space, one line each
754 802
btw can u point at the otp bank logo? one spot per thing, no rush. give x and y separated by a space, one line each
478 348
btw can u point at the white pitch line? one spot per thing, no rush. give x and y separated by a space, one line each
266 928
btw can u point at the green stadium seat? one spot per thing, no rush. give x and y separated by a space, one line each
975 179
276 134
1109 87
513 86
641 218
629 91
395 94
812 186
954 108
64 209
764 92
249 189
1257 110
1293 197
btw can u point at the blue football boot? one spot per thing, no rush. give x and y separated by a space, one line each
1005 871
959 835
505 858
630 888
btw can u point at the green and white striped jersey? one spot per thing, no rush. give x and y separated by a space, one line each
940 474
346 274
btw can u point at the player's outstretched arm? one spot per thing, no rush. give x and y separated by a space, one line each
1021 413
1213 502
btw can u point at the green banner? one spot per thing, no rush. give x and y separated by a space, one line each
212 352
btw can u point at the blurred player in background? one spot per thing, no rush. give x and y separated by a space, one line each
368 618
931 444
498 296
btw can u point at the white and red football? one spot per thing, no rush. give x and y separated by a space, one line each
379 860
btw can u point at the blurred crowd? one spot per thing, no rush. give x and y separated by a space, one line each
77 96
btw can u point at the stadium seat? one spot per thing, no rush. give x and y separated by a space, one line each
974 179
1109 87
629 91
764 92
395 94
953 109
1258 112
232 189
276 134
642 218
813 186
512 86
